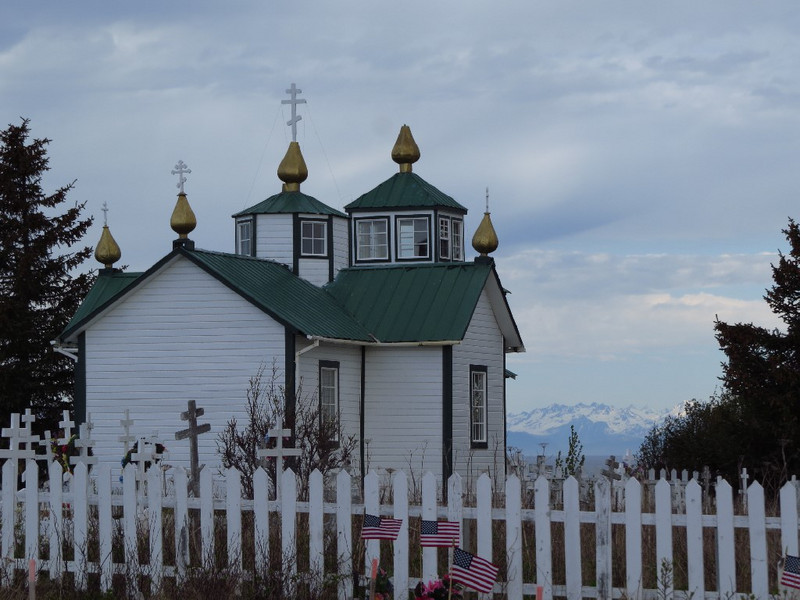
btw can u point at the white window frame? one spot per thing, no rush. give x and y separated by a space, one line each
408 249
444 238
315 227
329 392
373 242
245 244
457 239
478 405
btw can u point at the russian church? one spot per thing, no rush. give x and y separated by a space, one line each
374 310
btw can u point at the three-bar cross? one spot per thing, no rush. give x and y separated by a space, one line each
192 432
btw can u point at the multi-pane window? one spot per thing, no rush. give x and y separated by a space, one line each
457 239
412 237
244 238
313 238
477 404
329 397
373 240
444 237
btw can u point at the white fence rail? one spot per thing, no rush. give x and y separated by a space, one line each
537 547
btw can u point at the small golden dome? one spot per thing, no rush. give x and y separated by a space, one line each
183 220
405 152
485 239
292 171
107 251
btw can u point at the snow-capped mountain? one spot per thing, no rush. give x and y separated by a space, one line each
602 429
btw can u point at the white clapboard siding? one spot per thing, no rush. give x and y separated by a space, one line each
314 270
403 409
91 494
482 345
183 336
274 237
341 244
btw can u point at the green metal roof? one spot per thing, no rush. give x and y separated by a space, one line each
404 190
290 202
106 286
419 303
279 292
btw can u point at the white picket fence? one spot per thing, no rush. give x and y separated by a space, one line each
33 519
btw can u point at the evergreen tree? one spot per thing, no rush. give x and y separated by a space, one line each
39 290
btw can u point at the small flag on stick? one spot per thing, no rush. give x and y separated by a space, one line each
791 572
380 528
473 571
439 534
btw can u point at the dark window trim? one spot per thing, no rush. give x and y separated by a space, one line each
475 444
329 364
354 236
427 217
461 243
252 222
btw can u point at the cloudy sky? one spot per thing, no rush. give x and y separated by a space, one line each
641 157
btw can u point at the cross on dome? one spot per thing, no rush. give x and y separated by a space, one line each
294 101
180 170
105 213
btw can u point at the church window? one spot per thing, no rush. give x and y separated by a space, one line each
478 406
329 395
314 238
372 239
412 237
244 238
457 239
444 237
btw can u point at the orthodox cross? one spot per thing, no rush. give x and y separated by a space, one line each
18 438
179 170
294 101
48 446
105 213
66 424
84 443
279 452
611 469
127 437
192 432
146 452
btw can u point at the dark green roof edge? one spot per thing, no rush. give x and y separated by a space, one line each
404 190
290 203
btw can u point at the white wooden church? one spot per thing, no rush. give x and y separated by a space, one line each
374 309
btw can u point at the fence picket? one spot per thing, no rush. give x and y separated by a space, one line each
233 517
541 502
104 525
344 534
400 489
789 519
181 484
207 517
633 539
154 517
80 516
31 510
372 548
429 567
514 537
130 513
726 560
758 540
289 520
261 519
9 506
602 500
694 540
316 526
572 539
56 531
664 537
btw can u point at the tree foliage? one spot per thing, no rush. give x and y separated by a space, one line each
39 287
754 421
573 462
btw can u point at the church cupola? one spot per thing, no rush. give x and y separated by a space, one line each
107 251
183 220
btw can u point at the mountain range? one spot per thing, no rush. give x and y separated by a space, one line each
602 429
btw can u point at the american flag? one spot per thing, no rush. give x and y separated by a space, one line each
439 533
473 571
791 572
380 528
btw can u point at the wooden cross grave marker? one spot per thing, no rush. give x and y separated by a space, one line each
127 437
146 452
192 432
84 443
279 452
66 424
18 438
611 469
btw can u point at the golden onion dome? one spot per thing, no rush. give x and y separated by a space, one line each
183 220
292 171
485 239
405 152
107 251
